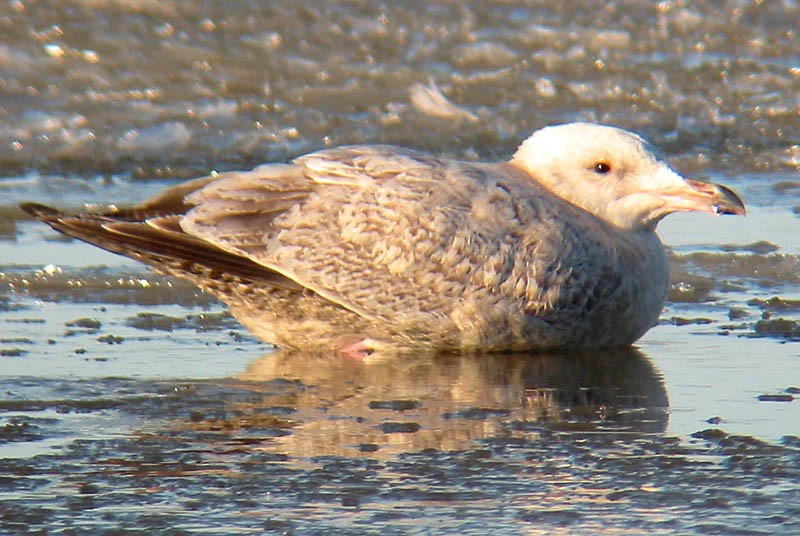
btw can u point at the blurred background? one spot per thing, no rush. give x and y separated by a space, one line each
173 89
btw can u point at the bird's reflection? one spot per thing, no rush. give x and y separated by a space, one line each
330 405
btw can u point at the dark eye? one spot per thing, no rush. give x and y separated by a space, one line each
602 168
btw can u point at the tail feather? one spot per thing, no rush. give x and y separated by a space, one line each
163 244
40 212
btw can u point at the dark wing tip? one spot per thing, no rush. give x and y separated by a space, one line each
41 212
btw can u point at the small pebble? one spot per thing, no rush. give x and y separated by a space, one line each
775 398
87 489
350 500
399 427
396 405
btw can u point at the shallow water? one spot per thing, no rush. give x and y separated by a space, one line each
132 402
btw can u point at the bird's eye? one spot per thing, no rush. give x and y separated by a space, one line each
602 168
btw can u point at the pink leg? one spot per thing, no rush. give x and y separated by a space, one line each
359 350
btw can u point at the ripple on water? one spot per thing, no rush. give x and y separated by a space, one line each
185 455
99 285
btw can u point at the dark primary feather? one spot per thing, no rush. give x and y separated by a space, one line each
156 240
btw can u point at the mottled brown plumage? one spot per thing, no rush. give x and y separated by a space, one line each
384 248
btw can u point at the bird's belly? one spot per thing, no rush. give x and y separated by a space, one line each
614 308
613 305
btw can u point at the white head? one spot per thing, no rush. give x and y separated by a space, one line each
616 175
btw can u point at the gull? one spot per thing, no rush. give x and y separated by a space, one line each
377 248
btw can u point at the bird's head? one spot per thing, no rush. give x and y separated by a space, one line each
616 175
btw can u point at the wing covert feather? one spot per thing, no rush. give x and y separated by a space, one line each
385 231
